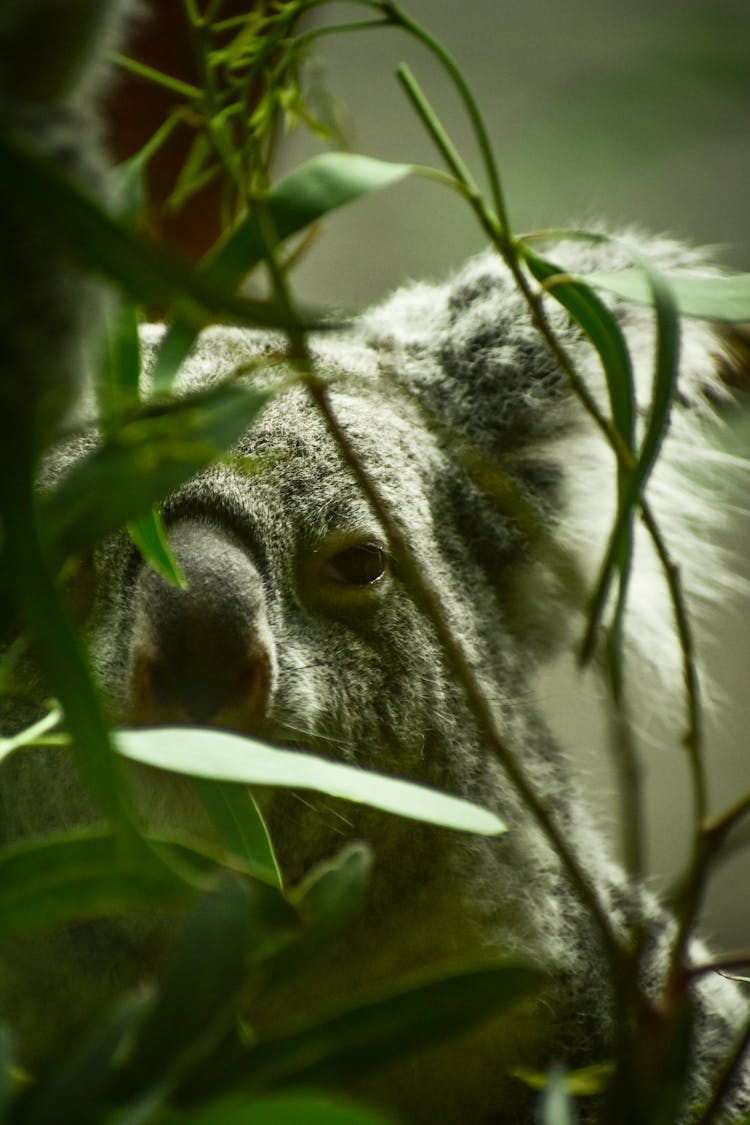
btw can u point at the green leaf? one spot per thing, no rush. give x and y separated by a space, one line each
149 537
664 388
91 236
306 195
31 734
204 752
335 889
712 298
325 901
79 875
605 333
67 1094
235 815
200 991
557 1105
7 1065
144 460
60 653
317 187
587 1081
371 1033
281 1109
120 370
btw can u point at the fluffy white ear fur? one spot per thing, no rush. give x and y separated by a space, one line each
696 484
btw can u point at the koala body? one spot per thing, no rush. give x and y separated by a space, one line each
301 624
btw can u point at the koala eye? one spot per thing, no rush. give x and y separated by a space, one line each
360 565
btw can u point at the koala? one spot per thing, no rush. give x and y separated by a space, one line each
302 623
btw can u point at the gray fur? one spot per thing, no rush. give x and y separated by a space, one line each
435 375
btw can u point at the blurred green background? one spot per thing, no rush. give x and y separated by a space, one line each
627 110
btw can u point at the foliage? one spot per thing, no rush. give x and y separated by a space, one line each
183 1052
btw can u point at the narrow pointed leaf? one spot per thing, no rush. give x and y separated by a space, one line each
712 298
143 461
45 882
69 1093
200 990
235 815
282 1109
212 753
376 1031
149 537
319 186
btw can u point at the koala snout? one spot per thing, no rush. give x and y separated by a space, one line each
203 654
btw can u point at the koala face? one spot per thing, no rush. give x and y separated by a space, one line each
297 623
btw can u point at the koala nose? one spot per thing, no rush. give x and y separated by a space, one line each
204 654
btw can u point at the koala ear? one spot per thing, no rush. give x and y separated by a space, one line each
469 352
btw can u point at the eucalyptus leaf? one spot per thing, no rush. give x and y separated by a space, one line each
556 1104
72 1088
281 1109
144 460
7 1063
235 815
206 752
83 874
200 990
712 298
664 388
375 1031
120 370
319 186
602 329
91 236
149 537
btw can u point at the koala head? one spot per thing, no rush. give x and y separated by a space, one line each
301 621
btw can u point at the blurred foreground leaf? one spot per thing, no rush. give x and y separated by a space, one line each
377 1030
712 298
280 1109
319 186
83 874
204 752
143 461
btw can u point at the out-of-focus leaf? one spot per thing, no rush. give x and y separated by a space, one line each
119 372
200 989
712 298
84 874
66 1095
281 1109
61 655
374 1032
29 735
90 235
7 1062
557 1105
317 187
239 823
143 461
584 1082
204 752
335 889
